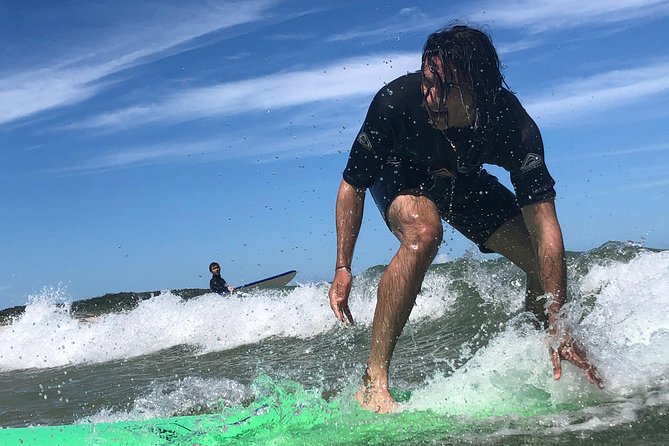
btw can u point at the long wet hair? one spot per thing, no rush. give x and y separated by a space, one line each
470 53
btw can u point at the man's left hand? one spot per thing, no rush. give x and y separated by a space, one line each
574 352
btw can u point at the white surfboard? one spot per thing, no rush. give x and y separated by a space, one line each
270 282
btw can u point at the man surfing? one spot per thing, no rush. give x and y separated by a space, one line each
420 152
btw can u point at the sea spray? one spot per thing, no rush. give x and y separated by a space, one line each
188 396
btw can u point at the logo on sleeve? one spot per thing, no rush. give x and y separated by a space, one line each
364 141
532 160
442 172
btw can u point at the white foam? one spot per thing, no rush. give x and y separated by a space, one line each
47 335
436 297
626 332
512 373
628 328
182 397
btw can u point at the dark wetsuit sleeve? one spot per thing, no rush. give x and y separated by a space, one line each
524 159
372 145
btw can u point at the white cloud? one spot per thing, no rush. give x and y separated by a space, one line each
613 89
631 186
543 15
362 76
317 130
632 150
336 117
527 15
30 92
259 147
81 75
292 36
520 45
406 22
134 156
351 77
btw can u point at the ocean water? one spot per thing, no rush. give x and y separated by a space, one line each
275 367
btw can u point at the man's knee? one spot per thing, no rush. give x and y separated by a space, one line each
427 235
415 221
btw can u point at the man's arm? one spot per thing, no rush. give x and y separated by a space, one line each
544 228
348 215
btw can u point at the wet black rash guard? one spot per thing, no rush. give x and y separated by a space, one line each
396 129
218 285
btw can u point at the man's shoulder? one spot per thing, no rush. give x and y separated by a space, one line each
399 93
510 101
411 80
512 113
407 85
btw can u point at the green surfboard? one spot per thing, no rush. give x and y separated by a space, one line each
287 414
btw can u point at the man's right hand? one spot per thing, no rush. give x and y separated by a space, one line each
574 352
338 294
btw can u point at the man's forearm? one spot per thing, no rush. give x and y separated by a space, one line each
553 270
348 215
542 223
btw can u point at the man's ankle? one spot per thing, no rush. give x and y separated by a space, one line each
371 379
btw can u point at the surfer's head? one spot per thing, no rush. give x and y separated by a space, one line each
461 77
214 268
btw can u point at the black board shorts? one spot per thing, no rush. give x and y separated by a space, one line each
476 204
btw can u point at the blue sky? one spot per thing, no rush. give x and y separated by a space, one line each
142 140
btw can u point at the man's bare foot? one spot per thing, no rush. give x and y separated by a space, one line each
375 399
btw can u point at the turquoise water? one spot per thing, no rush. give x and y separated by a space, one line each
274 367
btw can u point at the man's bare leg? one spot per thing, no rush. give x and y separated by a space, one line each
513 241
415 221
